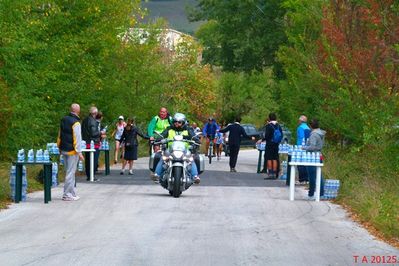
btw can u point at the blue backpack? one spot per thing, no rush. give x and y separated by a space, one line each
277 135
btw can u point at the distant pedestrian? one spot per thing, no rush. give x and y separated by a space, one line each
219 144
129 137
302 135
236 132
117 134
69 139
195 127
315 143
91 132
209 134
272 143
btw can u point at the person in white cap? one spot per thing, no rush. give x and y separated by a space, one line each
117 134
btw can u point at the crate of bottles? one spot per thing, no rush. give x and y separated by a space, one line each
331 188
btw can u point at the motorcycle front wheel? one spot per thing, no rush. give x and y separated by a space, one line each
177 173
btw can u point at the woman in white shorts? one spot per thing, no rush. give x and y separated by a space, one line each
117 135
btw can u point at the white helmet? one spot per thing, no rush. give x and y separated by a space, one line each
179 117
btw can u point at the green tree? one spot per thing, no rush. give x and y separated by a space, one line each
240 35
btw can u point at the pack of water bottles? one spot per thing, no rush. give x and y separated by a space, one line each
331 187
53 149
284 148
40 157
104 145
284 166
13 176
54 175
21 155
261 146
301 156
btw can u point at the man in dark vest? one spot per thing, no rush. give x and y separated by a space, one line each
235 135
69 139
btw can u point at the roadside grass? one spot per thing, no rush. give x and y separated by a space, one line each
369 186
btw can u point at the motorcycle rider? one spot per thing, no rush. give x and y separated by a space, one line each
178 127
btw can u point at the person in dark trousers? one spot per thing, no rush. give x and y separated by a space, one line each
314 143
236 132
302 135
271 150
69 138
91 132
129 137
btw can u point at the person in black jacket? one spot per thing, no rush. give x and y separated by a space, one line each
69 138
91 132
236 132
129 137
271 151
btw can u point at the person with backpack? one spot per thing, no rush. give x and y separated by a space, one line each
273 136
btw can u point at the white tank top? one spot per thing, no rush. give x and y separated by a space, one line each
119 130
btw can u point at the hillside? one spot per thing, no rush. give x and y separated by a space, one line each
174 12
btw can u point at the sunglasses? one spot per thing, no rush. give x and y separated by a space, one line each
179 122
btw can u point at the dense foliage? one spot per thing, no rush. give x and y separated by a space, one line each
240 35
54 53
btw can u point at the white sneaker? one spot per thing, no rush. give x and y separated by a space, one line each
73 198
311 198
130 172
155 178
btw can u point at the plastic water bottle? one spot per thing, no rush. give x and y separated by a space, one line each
54 174
91 144
61 159
46 156
24 184
80 166
39 156
12 181
31 156
83 144
107 145
21 155
294 156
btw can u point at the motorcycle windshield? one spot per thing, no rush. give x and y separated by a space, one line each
178 146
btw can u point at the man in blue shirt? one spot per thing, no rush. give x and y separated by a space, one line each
302 134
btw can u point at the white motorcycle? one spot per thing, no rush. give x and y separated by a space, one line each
177 161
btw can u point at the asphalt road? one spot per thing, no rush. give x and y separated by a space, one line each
229 219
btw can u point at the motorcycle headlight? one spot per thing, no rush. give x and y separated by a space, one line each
178 154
